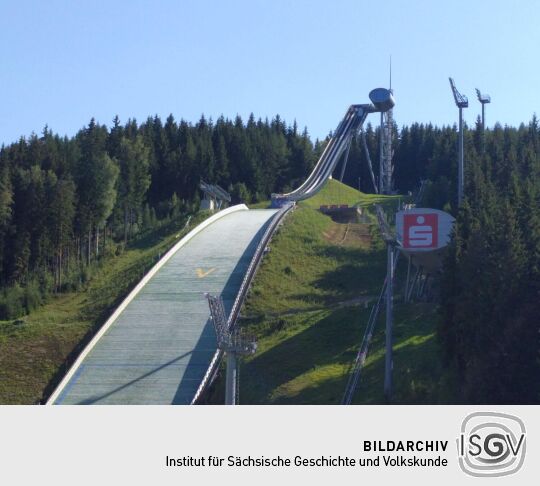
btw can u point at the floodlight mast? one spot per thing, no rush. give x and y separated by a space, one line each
483 99
461 102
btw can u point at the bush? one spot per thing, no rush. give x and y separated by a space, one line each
12 303
86 274
33 297
17 301
240 194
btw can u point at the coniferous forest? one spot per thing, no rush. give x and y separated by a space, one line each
64 200
490 288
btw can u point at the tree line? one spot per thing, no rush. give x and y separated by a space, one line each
490 298
490 286
421 152
65 201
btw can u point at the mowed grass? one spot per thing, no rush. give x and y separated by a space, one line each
306 358
309 266
308 308
37 350
305 269
302 358
334 192
419 376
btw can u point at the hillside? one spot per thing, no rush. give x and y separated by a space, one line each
308 307
36 350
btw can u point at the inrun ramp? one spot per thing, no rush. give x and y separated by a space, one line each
159 347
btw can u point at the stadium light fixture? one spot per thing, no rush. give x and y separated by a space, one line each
461 102
484 99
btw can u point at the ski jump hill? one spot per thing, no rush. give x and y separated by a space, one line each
159 345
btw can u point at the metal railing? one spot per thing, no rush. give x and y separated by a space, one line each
360 359
242 293
255 262
354 377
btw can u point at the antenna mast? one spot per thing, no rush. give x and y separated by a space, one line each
390 73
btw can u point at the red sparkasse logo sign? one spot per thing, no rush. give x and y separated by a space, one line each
420 230
423 230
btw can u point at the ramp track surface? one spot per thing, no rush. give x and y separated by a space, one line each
161 344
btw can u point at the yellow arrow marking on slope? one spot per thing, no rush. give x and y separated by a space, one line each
201 273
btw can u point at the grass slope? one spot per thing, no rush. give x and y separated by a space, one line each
308 309
334 192
36 351
419 375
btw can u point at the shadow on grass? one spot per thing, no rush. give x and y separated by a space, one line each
312 365
327 338
360 278
419 375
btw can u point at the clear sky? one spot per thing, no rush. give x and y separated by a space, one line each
63 62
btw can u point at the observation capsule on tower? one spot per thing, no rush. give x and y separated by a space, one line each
382 99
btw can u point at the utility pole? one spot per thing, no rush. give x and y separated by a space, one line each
461 102
388 362
391 242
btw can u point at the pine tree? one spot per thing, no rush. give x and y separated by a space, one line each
134 180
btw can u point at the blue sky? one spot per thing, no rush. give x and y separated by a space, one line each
64 62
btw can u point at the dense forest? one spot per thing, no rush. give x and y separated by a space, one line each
490 286
64 202
490 296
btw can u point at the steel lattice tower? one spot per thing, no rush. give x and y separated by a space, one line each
385 161
387 168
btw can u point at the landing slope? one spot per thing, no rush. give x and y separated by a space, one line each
159 347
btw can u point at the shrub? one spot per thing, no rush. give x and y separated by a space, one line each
32 297
12 303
